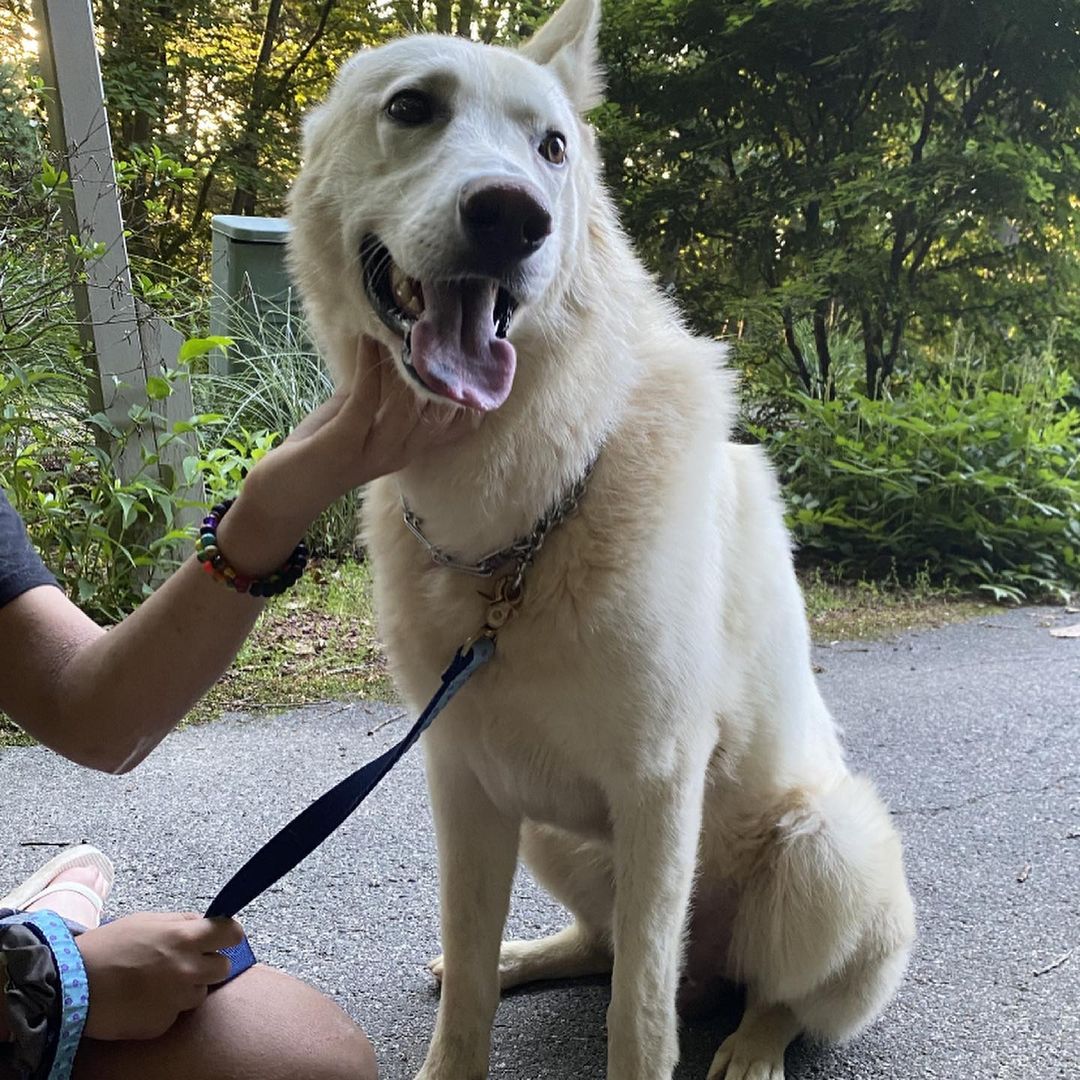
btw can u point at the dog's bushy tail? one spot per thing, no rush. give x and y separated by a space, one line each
825 920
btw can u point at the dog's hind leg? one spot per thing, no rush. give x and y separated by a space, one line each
824 922
755 1050
569 954
580 875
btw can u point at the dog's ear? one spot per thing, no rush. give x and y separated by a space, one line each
567 43
312 130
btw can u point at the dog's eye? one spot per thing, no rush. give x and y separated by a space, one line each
553 147
410 107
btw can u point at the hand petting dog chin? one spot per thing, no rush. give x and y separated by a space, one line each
372 426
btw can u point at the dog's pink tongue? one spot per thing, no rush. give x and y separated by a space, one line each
454 348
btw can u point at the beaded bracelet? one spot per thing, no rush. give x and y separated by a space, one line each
217 566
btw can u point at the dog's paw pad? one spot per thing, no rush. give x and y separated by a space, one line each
743 1059
436 968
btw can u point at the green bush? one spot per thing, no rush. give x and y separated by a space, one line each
275 380
105 540
969 475
100 537
110 542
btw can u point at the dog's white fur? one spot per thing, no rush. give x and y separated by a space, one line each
651 714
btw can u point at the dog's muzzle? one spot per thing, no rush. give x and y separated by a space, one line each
453 330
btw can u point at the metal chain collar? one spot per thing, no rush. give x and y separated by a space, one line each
520 552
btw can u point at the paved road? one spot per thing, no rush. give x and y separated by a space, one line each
972 732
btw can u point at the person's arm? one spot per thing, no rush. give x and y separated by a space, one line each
105 699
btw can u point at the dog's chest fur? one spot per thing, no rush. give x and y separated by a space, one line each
619 610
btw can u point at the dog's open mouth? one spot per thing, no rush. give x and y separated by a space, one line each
454 331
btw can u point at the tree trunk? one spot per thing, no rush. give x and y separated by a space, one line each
896 335
872 342
246 157
266 96
132 32
821 308
796 353
821 344
465 18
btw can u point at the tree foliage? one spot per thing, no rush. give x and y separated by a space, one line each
799 170
801 173
845 188
207 97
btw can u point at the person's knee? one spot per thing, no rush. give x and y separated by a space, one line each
304 1032
349 1057
263 1026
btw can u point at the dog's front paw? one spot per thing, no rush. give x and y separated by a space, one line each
745 1058
449 1072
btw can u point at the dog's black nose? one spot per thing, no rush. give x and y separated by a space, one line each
504 221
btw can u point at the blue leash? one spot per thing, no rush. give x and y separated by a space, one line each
312 826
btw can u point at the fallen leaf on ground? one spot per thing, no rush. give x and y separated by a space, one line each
1066 631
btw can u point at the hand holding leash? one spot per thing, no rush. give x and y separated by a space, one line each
145 970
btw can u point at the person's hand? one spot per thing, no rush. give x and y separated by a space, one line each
373 426
145 970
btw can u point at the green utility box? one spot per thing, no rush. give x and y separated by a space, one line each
253 300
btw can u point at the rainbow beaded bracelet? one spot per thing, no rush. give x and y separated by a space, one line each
217 566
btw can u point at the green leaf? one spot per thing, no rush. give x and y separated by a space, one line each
129 504
158 388
196 347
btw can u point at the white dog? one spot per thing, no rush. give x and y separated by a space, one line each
649 735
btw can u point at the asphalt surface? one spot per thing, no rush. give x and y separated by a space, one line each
972 733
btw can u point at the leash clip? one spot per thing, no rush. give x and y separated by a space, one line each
509 594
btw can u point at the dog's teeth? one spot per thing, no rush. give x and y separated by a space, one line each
401 288
407 292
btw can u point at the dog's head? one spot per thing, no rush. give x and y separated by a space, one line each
442 198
